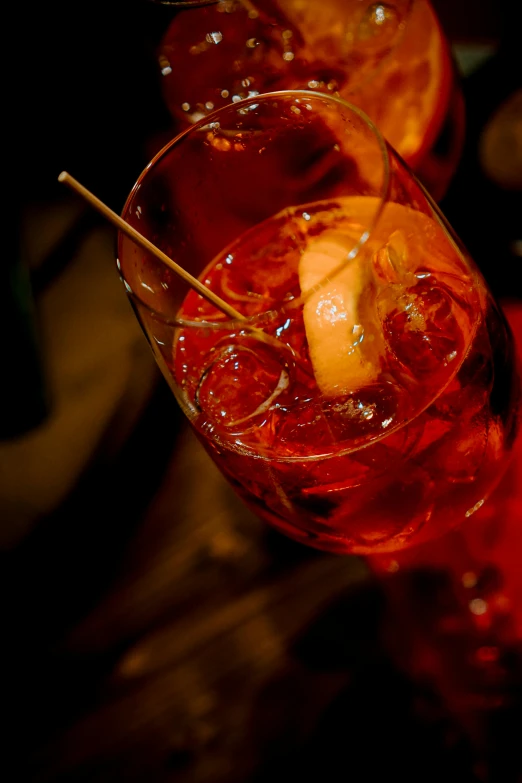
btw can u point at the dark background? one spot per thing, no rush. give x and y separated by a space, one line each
152 629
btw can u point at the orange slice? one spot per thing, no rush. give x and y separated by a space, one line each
408 99
340 345
342 326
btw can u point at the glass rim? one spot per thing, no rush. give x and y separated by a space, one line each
231 323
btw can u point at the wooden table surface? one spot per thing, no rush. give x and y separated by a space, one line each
162 633
152 628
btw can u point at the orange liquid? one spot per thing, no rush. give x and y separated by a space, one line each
391 60
395 462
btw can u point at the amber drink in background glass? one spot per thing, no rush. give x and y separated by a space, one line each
390 59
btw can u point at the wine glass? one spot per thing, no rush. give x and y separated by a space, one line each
368 400
365 400
390 59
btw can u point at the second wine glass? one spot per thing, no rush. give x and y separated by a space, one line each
390 59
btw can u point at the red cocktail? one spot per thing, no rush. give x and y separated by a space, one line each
369 399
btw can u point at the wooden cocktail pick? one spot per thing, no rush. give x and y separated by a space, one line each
192 281
143 242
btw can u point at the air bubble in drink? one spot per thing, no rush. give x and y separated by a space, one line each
379 26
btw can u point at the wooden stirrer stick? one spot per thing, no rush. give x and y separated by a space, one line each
143 242
192 281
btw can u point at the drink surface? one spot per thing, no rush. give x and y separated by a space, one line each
392 60
371 404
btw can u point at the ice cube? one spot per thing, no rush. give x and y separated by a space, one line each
240 385
367 413
420 326
460 454
469 391
391 262
317 425
303 430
